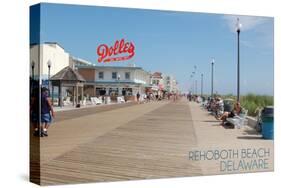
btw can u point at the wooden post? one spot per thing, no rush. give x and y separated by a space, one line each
52 94
73 95
60 97
82 91
77 90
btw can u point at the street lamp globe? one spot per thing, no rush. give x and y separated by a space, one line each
49 63
32 64
238 25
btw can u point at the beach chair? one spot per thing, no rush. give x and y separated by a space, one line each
107 100
83 102
120 100
92 100
67 101
100 98
56 102
97 101
238 121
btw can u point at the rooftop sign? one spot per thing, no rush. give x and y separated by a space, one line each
120 51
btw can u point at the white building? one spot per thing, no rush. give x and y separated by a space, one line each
157 84
74 61
53 55
175 86
48 53
114 80
170 84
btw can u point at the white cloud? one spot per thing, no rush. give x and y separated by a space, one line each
247 43
248 22
261 27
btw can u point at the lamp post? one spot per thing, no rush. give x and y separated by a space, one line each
190 85
49 63
195 82
32 69
212 78
238 28
201 85
118 78
195 87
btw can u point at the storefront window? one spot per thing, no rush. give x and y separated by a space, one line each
127 75
114 75
100 75
100 91
113 91
127 91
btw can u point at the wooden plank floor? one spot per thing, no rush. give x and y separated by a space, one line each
153 145
71 114
82 128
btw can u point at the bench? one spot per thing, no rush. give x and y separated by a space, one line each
238 121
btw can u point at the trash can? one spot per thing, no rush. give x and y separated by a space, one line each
267 123
228 105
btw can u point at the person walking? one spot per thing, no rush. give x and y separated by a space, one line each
47 112
148 97
174 97
138 97
34 111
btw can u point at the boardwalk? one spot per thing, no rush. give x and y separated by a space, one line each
132 142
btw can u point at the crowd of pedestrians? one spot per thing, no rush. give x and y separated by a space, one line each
150 97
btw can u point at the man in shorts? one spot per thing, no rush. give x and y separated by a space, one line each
47 112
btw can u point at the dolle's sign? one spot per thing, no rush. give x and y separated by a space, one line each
120 51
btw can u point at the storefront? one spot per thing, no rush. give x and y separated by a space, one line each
114 81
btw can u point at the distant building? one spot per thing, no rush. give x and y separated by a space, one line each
74 62
157 84
156 78
170 84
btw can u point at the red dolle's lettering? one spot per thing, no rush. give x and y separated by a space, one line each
105 53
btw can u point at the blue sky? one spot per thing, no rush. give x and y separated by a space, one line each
170 42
